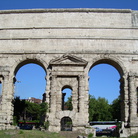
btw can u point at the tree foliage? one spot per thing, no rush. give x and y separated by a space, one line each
19 107
92 108
68 103
32 111
43 108
116 109
100 110
28 111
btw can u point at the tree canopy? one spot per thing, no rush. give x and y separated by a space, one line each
68 103
116 109
27 111
101 110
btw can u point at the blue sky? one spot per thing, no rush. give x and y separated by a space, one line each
103 82
30 81
103 78
29 4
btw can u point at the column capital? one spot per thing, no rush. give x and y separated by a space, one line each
131 74
81 76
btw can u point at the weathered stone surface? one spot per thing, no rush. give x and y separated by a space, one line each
135 18
67 43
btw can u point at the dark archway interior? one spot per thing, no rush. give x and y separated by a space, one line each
66 124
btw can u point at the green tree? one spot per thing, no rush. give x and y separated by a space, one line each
68 103
28 111
32 111
116 109
104 110
36 111
99 109
43 108
19 107
92 108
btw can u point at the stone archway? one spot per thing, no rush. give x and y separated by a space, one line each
65 73
67 98
118 65
66 124
67 43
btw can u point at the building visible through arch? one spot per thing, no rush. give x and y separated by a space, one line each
67 43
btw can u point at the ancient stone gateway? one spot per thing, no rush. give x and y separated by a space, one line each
67 43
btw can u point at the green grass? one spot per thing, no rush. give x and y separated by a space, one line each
38 134
28 134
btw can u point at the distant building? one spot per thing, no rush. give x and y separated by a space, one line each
34 100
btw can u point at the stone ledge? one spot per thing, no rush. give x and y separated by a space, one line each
66 10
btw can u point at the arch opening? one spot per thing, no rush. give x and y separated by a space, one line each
67 98
30 86
105 91
109 62
30 78
66 124
28 61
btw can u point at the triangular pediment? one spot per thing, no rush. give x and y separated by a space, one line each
69 60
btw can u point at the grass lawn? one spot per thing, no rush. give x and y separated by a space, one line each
40 134
28 134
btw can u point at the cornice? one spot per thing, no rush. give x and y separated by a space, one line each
65 10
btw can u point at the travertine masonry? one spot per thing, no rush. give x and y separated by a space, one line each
67 43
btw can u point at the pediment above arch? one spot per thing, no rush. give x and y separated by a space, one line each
69 60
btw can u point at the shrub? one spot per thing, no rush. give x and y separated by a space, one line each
90 135
14 120
46 125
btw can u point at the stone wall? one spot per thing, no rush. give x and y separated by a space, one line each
67 43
